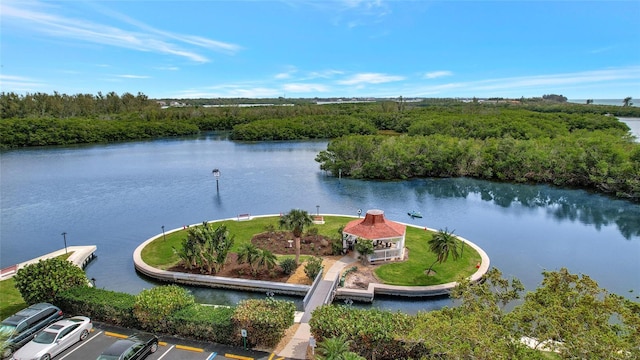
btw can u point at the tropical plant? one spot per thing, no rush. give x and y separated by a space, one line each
42 281
205 248
627 101
288 265
313 267
266 259
442 244
333 348
249 254
296 220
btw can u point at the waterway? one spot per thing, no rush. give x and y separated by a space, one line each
116 196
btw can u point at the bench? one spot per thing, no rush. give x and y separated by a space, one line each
244 217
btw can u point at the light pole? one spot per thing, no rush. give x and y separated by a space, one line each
318 210
64 236
164 237
216 173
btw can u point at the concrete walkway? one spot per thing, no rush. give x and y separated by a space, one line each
297 346
80 256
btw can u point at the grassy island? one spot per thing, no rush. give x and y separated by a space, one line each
410 272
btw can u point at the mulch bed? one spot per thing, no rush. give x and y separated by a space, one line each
278 243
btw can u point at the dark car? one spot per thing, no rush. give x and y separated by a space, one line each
21 326
135 347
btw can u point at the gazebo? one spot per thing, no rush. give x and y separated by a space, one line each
387 236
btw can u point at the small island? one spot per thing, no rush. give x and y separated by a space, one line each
376 255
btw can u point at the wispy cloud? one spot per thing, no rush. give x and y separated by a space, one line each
370 78
29 16
305 88
20 83
128 76
437 74
528 84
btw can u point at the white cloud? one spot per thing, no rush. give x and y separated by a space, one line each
20 83
370 78
437 74
146 39
128 76
305 88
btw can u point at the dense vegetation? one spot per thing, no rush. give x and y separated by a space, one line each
542 140
567 314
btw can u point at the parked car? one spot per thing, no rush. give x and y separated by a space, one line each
55 338
135 347
21 326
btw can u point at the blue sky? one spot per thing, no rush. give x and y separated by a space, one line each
340 48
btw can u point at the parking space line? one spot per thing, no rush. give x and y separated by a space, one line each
84 342
239 357
166 352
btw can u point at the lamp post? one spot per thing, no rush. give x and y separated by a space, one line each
64 236
216 173
164 237
318 210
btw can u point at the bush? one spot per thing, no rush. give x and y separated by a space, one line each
313 267
153 306
205 323
264 320
42 281
288 265
107 306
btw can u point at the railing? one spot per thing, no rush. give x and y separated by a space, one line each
379 255
307 297
332 292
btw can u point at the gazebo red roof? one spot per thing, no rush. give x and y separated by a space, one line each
375 226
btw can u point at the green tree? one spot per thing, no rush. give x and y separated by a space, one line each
442 244
627 101
296 220
41 281
365 248
572 315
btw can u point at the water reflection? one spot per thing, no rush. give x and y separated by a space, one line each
575 205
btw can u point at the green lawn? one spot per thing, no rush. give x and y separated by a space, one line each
11 300
412 271
159 253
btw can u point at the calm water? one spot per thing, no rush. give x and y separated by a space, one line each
116 196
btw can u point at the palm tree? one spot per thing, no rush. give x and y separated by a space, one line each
266 259
442 244
333 348
296 220
249 254
627 101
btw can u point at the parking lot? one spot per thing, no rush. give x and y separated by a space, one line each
100 338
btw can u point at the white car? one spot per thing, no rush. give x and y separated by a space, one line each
55 338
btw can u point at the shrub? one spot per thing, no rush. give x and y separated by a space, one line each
42 281
205 323
153 306
264 320
336 246
313 267
288 265
107 306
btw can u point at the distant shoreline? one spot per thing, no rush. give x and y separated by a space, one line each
614 102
